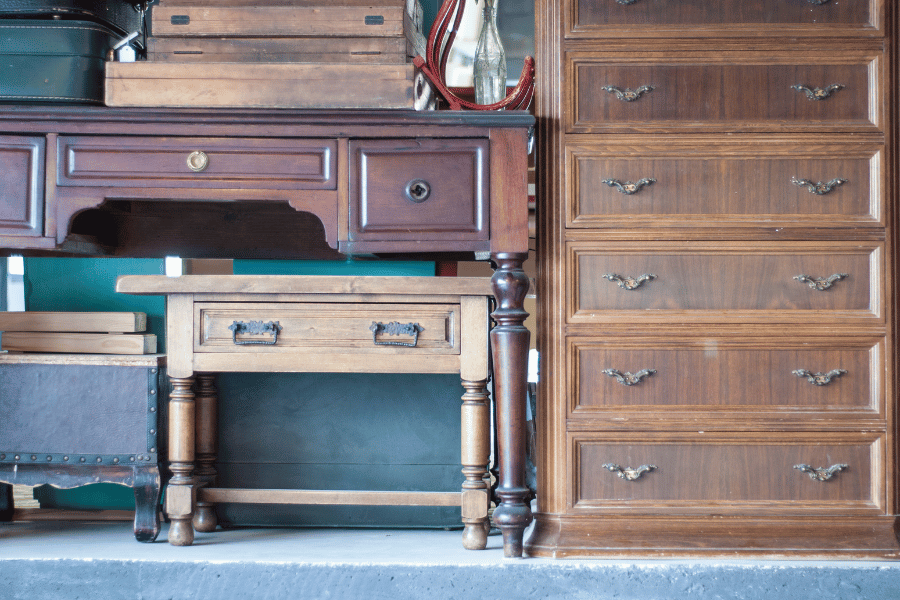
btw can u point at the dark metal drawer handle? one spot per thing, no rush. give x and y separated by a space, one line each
819 378
627 473
628 95
629 378
629 188
819 188
418 190
820 284
822 473
255 328
395 328
629 283
815 93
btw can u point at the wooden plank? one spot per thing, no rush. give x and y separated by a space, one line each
30 513
260 85
84 322
335 497
100 360
293 50
89 343
318 361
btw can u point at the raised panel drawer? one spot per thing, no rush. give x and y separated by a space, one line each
812 182
659 18
21 185
673 282
400 190
797 380
745 91
326 328
724 473
220 163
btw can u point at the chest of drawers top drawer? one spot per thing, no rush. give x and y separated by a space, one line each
697 18
734 91
175 162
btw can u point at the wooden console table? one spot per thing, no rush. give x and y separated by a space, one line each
288 184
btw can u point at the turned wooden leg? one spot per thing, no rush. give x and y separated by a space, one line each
146 503
509 345
206 401
475 456
181 491
6 502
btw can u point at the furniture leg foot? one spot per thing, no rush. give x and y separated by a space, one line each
475 536
146 503
206 400
181 494
205 519
181 532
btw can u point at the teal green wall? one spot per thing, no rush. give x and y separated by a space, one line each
325 267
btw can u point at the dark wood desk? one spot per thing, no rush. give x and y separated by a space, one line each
288 184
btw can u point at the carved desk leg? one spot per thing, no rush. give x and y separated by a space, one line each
146 503
181 492
207 422
476 452
509 346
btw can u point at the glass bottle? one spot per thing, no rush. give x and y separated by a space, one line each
490 59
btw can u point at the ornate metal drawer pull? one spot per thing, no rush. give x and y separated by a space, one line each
819 188
820 283
255 328
418 190
627 473
822 473
628 95
197 161
629 188
819 378
629 283
629 378
818 93
395 328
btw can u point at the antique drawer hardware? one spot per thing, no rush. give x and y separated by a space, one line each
817 93
395 328
629 188
822 473
629 378
627 473
819 378
629 283
255 328
819 188
197 161
628 95
627 2
820 283
819 2
418 190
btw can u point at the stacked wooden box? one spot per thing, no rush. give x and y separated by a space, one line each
76 332
281 54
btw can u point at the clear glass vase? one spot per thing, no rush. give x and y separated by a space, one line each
490 59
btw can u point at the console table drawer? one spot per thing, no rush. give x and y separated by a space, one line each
327 327
172 162
724 472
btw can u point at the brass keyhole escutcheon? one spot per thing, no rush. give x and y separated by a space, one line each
418 190
197 161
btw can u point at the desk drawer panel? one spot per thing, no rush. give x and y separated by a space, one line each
346 328
788 281
718 472
728 90
122 161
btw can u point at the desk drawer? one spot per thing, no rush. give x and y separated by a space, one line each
21 186
171 162
716 472
327 327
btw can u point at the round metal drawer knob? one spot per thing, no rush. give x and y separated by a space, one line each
197 161
418 190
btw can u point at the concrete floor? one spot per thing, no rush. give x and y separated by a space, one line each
98 561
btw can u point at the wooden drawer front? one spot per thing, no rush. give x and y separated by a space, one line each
283 164
726 91
745 376
21 185
650 18
400 189
710 282
813 183
343 328
716 472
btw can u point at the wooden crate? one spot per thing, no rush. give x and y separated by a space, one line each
260 85
386 50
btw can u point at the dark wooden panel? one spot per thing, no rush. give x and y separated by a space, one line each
21 185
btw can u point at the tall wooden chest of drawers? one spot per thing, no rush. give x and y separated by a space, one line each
717 245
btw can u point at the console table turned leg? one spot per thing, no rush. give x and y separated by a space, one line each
181 491
476 453
509 347
207 422
146 503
